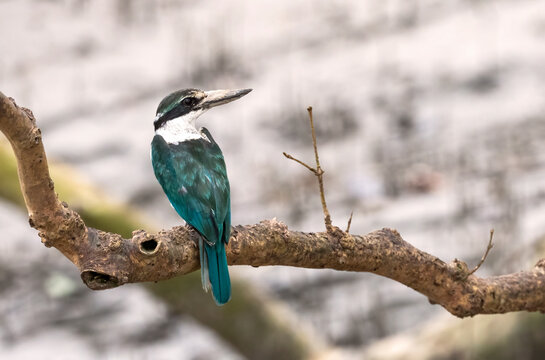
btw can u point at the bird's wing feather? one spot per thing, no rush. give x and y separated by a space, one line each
194 178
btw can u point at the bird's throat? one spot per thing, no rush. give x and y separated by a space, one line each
181 129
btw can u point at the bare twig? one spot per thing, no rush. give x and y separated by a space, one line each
349 222
488 248
317 171
300 162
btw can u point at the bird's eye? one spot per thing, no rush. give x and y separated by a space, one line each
189 101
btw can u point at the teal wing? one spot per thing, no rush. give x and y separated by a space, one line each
193 176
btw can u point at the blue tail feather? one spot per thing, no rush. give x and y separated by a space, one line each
218 273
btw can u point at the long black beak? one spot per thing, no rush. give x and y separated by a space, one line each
220 97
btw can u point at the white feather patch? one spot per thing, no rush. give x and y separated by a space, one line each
181 129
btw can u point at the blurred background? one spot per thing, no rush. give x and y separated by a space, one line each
430 119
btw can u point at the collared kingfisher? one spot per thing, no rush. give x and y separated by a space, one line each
189 165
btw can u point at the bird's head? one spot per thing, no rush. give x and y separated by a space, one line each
193 102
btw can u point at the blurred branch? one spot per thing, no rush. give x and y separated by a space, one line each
107 260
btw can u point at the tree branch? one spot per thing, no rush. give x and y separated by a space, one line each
107 260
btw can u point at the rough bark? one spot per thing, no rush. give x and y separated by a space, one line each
107 260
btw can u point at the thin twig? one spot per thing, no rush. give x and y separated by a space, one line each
349 223
300 162
490 245
319 173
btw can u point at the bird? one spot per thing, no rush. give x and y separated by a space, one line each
190 167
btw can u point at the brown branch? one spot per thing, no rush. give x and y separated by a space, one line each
106 260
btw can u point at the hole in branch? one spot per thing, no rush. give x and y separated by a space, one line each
149 247
98 281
